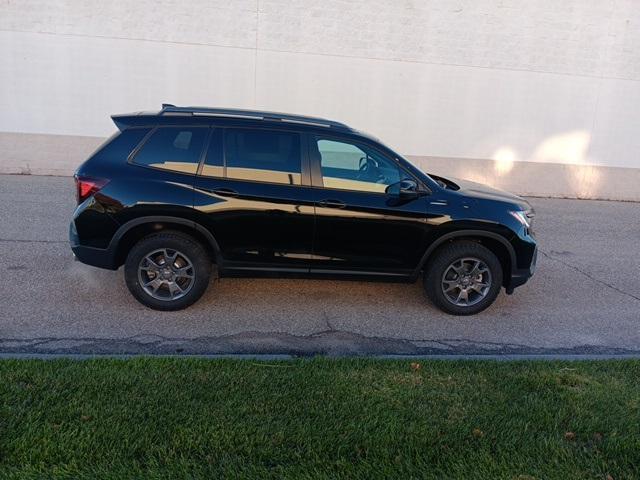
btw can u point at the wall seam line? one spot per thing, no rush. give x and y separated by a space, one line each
334 55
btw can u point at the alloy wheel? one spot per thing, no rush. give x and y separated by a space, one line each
166 274
466 281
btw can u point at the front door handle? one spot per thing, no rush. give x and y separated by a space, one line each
330 203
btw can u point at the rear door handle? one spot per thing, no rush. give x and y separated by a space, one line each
329 203
224 192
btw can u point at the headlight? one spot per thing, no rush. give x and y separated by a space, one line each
525 217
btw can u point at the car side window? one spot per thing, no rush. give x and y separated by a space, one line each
347 166
263 155
173 148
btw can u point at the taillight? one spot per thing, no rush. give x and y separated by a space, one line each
87 186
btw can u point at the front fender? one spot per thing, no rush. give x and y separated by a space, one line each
449 235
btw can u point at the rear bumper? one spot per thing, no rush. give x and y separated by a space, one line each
96 257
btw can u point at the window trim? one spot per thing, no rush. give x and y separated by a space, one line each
305 174
316 166
203 157
132 155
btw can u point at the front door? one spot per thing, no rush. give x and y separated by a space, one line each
359 227
250 195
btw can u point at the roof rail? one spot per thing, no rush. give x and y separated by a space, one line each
168 108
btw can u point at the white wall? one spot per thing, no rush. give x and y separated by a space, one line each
504 81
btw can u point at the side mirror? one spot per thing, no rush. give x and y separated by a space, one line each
405 189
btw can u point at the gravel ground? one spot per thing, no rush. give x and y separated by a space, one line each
584 298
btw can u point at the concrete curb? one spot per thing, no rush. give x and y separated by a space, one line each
271 357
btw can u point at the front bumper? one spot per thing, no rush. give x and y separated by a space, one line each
520 276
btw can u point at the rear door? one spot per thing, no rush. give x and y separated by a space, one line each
359 228
253 194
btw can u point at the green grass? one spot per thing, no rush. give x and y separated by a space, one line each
352 418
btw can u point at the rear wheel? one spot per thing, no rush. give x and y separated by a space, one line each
463 278
167 271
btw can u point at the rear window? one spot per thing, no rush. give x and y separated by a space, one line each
173 148
118 147
263 155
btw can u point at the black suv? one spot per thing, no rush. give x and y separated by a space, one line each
176 191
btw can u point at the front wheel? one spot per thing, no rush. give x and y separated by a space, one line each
463 278
167 271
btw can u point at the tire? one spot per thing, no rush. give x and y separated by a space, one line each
453 268
173 265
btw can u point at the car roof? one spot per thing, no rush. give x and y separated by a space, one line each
197 113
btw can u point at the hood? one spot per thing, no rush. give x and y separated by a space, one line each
481 191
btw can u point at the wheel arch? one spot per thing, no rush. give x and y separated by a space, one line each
495 242
132 231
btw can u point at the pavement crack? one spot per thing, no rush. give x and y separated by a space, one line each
325 316
21 240
332 343
143 339
589 276
457 342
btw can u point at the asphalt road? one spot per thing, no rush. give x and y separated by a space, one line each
584 298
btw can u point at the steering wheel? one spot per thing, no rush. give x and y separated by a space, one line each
367 169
